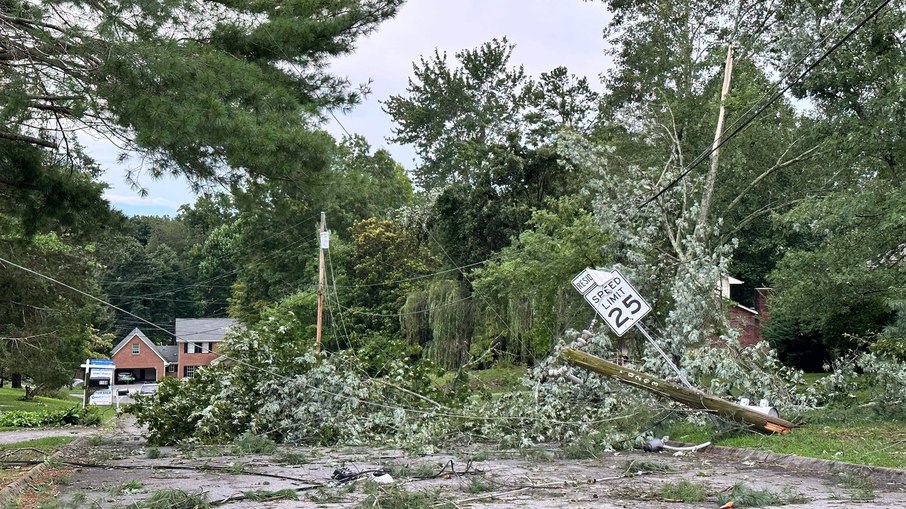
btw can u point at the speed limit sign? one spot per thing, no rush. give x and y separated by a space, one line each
614 299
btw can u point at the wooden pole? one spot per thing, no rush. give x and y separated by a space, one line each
690 397
321 280
718 133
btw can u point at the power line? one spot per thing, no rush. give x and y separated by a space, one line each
86 294
448 412
792 67
338 122
410 313
424 276
704 155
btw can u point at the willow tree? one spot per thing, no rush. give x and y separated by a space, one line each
441 318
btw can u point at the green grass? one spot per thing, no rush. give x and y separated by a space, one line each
500 379
864 444
841 435
683 491
743 495
47 444
395 497
11 399
267 496
495 380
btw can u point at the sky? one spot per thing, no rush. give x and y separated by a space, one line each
547 34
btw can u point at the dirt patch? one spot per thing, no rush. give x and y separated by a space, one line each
122 472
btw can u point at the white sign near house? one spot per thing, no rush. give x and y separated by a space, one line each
614 299
103 397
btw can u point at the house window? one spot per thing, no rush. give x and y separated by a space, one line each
188 371
136 349
171 368
203 347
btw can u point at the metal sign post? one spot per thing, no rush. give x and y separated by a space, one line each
620 305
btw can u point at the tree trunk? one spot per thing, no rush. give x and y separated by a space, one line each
17 381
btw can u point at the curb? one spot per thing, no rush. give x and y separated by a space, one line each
878 474
18 486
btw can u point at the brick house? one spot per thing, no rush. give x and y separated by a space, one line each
198 340
138 357
197 343
749 321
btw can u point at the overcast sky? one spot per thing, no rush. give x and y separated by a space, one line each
547 33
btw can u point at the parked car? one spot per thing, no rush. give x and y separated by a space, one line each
125 377
147 389
76 382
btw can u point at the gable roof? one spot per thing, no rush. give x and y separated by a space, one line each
170 353
136 332
202 329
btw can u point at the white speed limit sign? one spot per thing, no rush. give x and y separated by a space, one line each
614 299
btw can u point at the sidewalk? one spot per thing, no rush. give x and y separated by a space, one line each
21 435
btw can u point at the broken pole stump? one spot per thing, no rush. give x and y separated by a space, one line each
689 397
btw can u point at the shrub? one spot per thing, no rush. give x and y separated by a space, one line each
40 418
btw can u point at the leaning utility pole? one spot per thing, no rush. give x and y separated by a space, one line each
692 398
324 240
718 134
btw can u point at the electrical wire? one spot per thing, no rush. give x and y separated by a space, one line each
734 132
425 276
448 412
353 311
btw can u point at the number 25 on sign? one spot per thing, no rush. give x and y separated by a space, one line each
618 303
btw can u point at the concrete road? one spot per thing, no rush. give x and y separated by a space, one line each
481 476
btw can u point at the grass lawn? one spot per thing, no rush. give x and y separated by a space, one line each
11 399
881 444
865 440
496 380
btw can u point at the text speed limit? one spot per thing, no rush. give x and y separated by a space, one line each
618 303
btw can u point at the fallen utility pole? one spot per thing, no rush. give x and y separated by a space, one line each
690 397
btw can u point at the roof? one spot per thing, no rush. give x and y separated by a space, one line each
202 329
136 332
170 353
749 310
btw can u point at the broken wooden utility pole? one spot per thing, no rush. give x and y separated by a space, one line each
324 241
690 397
718 134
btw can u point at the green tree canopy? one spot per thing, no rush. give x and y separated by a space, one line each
217 90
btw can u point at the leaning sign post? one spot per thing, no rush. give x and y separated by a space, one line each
620 305
617 302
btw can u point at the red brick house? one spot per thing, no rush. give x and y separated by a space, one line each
749 321
198 340
138 359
